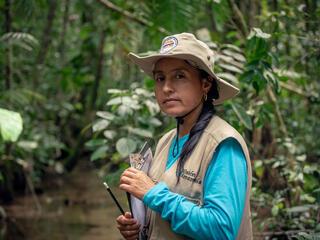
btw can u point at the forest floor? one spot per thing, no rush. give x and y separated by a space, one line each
73 207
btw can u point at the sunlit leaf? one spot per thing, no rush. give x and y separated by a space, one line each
258 33
234 55
141 132
10 125
275 210
155 121
100 125
28 145
124 110
105 115
230 68
110 134
228 76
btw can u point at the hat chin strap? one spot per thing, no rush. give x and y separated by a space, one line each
180 121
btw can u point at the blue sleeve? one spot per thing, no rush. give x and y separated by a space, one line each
224 197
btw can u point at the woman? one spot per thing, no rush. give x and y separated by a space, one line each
200 178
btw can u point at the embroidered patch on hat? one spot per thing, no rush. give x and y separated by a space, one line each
168 44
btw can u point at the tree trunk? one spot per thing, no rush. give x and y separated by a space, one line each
45 42
8 74
62 40
209 8
64 31
99 70
254 7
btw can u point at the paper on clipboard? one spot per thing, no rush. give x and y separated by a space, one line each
140 161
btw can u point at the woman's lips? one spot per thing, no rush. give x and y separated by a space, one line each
170 100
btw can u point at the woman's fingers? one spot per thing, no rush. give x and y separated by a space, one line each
126 219
130 235
135 182
128 226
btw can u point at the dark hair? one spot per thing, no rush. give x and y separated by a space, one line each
204 118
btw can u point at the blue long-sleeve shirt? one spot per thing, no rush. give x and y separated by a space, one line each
224 193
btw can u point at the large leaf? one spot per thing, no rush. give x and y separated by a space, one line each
140 132
95 142
125 146
10 125
100 125
101 152
105 115
110 134
242 115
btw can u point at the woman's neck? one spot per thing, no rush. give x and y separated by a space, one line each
189 121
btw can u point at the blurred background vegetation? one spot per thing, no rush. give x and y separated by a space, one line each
68 93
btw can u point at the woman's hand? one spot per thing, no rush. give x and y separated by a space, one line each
128 226
135 182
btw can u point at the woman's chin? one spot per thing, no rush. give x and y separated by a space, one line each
172 113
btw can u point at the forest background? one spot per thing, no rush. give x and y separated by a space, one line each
68 92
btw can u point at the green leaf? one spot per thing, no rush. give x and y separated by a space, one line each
257 32
105 115
10 125
125 146
101 152
247 76
141 132
275 210
100 125
95 142
242 115
149 83
28 145
1 178
110 134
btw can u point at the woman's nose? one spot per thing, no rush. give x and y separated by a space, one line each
167 86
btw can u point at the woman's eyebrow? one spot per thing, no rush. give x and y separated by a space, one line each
172 70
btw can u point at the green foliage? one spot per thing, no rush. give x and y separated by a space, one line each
276 68
260 62
133 116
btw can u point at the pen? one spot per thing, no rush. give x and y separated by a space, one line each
114 198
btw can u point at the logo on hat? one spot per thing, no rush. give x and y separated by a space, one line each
168 44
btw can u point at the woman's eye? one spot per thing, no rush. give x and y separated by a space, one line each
159 78
180 75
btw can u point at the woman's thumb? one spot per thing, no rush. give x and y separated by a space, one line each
127 215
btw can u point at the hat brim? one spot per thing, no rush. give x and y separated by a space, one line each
226 90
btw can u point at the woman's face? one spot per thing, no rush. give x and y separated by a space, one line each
178 88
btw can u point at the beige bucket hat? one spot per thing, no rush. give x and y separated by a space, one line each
186 46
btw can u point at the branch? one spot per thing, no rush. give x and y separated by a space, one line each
236 13
295 89
130 16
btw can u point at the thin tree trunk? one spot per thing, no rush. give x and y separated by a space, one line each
62 40
254 6
45 43
8 74
209 8
64 31
307 24
314 16
99 69
275 9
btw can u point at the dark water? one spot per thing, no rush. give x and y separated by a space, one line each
73 207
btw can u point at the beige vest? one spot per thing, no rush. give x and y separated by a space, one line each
192 178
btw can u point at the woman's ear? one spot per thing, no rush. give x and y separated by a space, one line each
206 85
